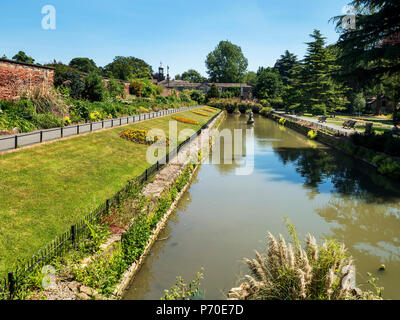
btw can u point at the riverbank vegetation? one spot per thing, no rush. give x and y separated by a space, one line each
291 271
65 180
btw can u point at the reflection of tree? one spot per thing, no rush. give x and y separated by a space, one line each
312 164
370 229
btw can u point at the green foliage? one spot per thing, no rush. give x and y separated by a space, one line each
192 76
282 121
23 57
144 88
265 111
47 121
367 54
65 76
269 84
126 68
183 291
213 93
226 63
136 238
84 65
285 66
115 88
385 143
312 134
198 96
94 87
231 104
359 102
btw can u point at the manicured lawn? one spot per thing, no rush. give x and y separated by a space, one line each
380 125
45 189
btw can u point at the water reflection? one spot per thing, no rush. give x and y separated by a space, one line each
225 216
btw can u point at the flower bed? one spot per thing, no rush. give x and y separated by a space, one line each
185 120
208 110
201 114
141 136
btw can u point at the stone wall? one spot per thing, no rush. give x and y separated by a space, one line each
15 76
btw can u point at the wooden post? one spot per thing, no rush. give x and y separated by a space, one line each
11 284
16 142
73 235
41 136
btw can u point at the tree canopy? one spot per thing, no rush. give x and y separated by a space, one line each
23 57
285 66
84 65
372 49
126 68
192 76
226 63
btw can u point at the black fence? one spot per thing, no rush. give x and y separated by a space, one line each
31 138
80 230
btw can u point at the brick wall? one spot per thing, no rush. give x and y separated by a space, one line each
15 76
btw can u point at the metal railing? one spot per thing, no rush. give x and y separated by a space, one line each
80 230
26 139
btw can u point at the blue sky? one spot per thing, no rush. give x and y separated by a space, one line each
180 33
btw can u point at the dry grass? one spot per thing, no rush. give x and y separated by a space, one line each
289 272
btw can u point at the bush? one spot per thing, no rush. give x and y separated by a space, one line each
385 143
289 272
47 121
115 88
312 134
266 111
282 121
318 109
231 104
198 96
94 87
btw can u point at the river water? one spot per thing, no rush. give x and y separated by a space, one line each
224 217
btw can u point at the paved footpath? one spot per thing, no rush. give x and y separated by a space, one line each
331 126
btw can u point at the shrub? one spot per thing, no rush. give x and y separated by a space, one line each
312 134
385 143
67 121
47 121
185 120
289 272
11 121
115 88
198 96
282 121
318 109
266 111
44 100
94 87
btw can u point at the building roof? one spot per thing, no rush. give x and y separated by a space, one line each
25 64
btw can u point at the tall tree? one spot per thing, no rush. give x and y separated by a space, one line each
285 66
372 49
84 64
250 78
269 84
23 57
226 63
191 76
126 68
321 92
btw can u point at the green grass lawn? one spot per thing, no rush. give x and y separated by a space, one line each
45 189
380 125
